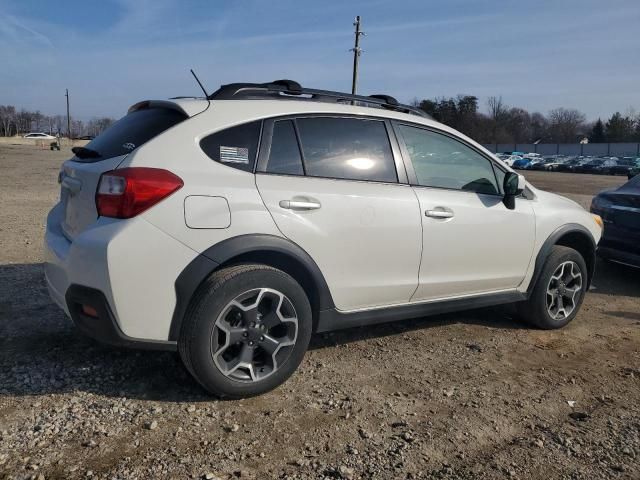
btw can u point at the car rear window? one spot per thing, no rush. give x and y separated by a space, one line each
131 131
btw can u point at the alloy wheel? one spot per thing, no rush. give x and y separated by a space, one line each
563 291
254 335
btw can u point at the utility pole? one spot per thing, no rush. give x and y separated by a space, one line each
68 117
357 51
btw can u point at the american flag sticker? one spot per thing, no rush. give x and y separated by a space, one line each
234 154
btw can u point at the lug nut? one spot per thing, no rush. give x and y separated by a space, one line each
245 334
251 344
261 339
252 324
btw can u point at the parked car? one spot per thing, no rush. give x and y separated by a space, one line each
619 167
39 136
509 159
569 166
619 208
540 164
635 170
521 164
597 166
232 228
554 164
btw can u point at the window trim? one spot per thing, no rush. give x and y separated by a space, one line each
264 148
411 173
267 137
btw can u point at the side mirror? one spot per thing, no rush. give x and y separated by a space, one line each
514 185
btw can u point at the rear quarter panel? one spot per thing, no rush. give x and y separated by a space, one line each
180 152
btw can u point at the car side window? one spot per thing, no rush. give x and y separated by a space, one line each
346 148
284 155
234 147
443 162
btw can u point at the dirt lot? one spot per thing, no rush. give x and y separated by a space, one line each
467 395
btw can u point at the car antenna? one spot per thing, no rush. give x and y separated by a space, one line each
206 95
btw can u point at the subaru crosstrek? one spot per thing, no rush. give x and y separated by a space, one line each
233 227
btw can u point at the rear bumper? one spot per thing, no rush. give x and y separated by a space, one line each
620 256
131 265
103 327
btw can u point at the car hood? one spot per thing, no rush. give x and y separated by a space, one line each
557 200
626 195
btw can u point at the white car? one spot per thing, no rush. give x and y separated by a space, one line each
39 136
232 228
508 159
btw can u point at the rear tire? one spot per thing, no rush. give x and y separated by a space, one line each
559 291
246 330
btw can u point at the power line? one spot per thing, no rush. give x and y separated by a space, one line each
357 51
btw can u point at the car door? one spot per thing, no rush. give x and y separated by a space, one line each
472 243
331 185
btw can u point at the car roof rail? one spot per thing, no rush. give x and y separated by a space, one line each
292 90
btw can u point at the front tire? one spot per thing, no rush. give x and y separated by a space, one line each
559 291
246 330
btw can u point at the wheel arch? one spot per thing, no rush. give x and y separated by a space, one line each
574 236
271 250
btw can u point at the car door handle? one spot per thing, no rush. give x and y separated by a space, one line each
299 205
439 213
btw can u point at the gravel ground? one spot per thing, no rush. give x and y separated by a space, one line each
460 396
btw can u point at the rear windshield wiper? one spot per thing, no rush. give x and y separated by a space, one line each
84 152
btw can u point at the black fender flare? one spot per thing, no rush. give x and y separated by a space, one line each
552 240
227 250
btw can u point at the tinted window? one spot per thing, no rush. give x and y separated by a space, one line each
440 161
500 174
235 147
131 131
348 148
284 156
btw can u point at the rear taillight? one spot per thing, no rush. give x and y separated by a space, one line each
126 192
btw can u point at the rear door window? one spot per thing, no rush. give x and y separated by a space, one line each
234 147
346 148
131 131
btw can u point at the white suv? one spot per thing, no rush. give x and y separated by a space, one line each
233 227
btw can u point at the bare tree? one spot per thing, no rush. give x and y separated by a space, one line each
565 124
498 111
96 126
518 124
7 119
497 108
